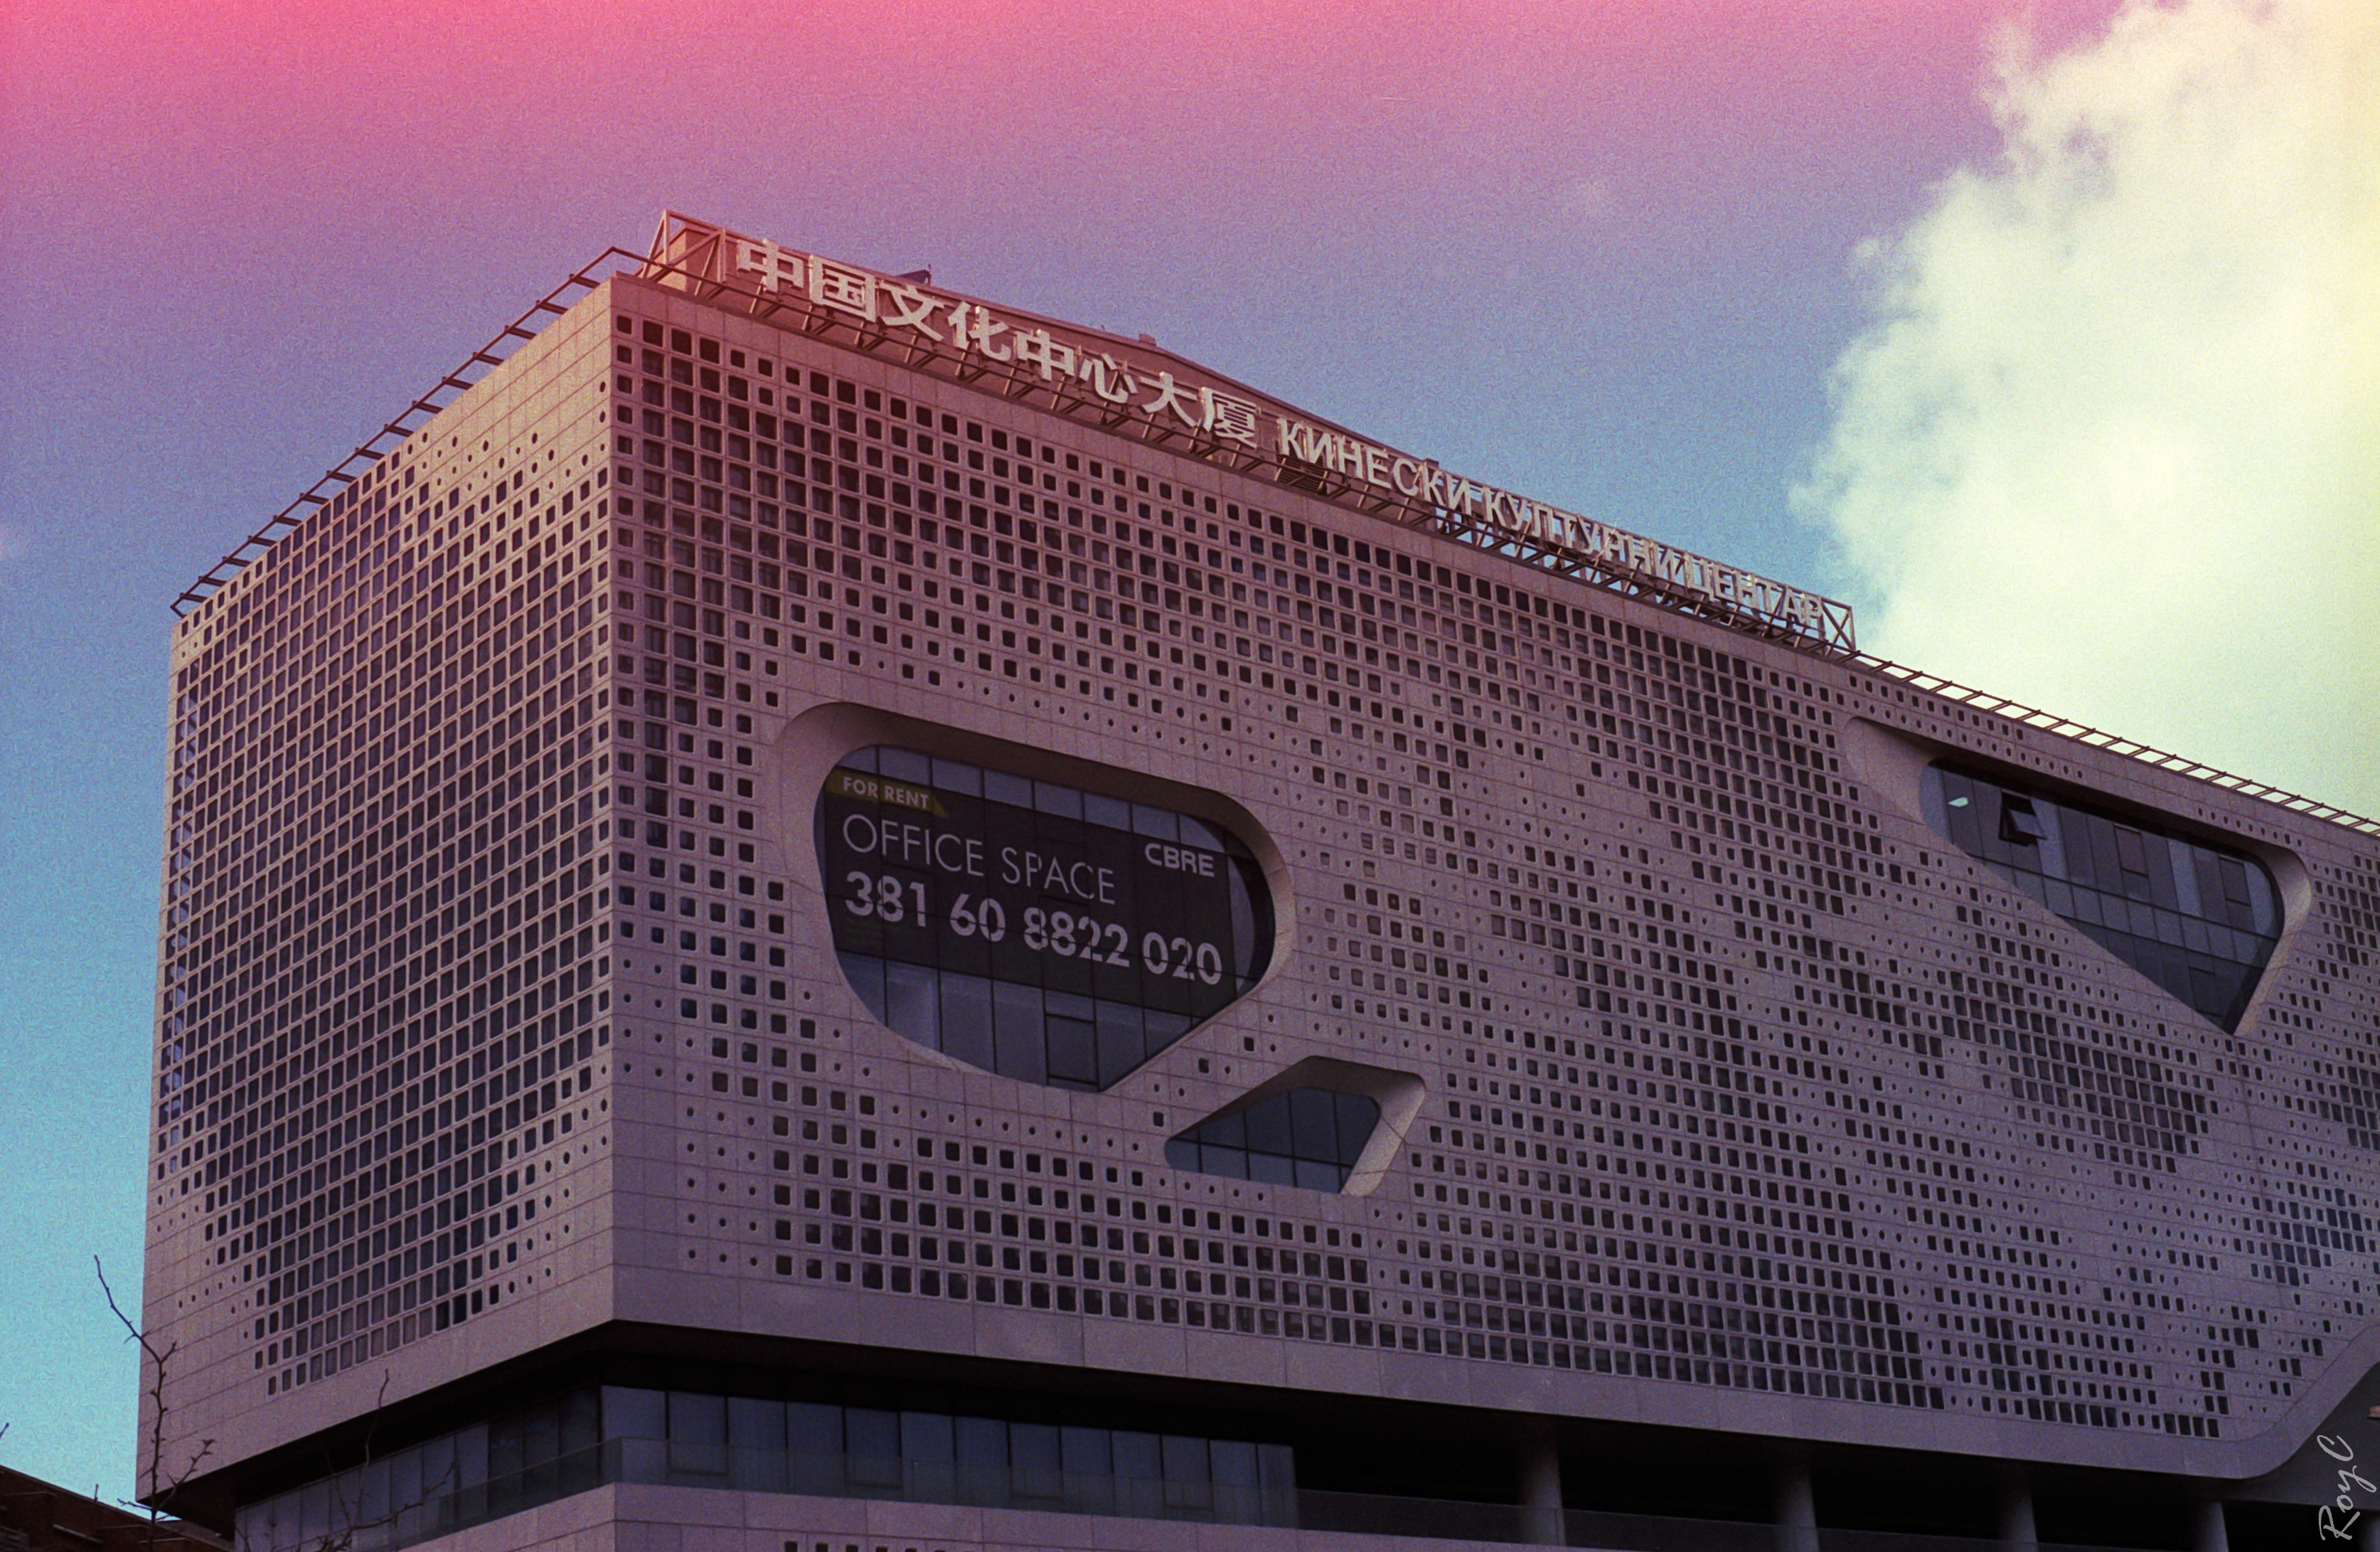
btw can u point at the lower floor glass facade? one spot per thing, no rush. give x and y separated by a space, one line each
595 1434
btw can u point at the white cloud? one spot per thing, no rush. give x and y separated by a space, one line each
2112 445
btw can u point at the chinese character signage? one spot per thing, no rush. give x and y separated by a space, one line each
1223 422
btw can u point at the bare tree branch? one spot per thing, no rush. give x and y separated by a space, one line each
338 1539
157 1360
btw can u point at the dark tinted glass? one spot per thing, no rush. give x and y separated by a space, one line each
1306 1137
2198 920
1047 934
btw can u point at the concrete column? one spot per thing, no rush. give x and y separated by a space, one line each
2211 1534
2017 1531
1796 1507
1541 1495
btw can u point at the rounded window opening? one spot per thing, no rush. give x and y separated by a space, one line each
2198 919
1039 931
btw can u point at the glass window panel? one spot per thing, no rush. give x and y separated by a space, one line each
1961 809
1121 1040
466 1454
813 1429
1313 1124
913 1002
2052 846
998 787
1358 1113
697 1418
1233 1462
865 974
2161 867
871 1432
404 1480
1273 1169
926 1436
1989 844
2107 873
541 1436
1085 1451
983 1441
1268 1124
2264 906
953 775
758 1471
1277 1464
373 1502
966 1020
1034 1445
1315 1174
2216 883
506 1448
1230 1131
1189 1481
1137 1456
2019 825
1020 1041
1250 952
1065 802
698 1433
314 1525
579 1429
2131 853
756 1424
2191 871
1073 1048
2233 879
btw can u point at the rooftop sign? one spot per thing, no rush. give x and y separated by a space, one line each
1163 398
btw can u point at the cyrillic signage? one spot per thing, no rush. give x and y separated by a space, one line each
1081 370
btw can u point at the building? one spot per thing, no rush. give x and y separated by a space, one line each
38 1515
806 906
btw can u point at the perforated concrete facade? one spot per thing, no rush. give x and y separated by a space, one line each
1716 1088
